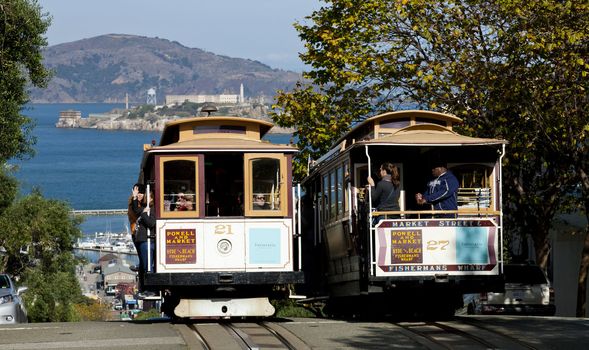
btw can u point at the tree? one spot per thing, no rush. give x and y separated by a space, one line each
92 310
8 189
511 69
22 27
38 235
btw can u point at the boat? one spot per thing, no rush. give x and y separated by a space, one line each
121 243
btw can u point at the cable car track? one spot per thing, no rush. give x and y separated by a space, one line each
243 335
459 335
480 325
453 334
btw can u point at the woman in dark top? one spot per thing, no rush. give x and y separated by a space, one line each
385 195
133 212
145 223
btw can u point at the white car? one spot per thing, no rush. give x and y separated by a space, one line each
527 292
12 308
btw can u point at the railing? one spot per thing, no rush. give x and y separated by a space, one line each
462 212
92 212
474 197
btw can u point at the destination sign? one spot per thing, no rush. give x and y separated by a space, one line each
406 246
415 247
180 246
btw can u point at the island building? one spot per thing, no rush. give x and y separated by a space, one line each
223 98
151 97
68 118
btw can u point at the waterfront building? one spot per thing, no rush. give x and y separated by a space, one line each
114 274
68 118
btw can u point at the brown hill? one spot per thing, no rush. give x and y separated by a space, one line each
105 68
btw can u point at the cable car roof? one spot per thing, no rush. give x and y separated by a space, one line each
411 127
224 144
214 127
430 135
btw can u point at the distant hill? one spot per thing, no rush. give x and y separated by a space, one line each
105 68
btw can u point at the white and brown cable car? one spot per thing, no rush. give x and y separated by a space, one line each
416 257
225 235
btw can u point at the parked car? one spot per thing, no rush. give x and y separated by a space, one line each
527 292
12 308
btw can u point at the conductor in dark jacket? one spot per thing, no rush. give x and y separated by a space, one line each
441 190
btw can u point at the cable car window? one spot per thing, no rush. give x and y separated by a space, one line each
325 198
340 190
266 185
333 195
345 185
395 123
223 184
430 121
178 181
216 129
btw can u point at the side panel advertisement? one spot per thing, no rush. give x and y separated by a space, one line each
224 245
429 247
180 246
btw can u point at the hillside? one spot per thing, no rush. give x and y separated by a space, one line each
105 68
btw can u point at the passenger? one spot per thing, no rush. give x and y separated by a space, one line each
136 194
189 200
385 196
173 201
145 223
260 202
167 202
442 190
185 202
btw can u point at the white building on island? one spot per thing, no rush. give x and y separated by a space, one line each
223 98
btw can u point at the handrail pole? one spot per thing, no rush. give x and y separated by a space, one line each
299 229
148 269
371 231
501 207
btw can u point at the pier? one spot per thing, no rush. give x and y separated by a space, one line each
107 250
96 212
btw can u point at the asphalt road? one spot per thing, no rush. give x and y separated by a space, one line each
463 332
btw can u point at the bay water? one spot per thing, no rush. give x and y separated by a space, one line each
87 168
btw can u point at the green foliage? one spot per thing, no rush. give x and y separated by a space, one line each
146 315
22 28
52 296
289 308
318 120
140 111
185 109
8 189
91 310
511 69
38 235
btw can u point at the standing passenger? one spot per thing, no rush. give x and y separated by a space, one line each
385 196
146 222
442 190
136 195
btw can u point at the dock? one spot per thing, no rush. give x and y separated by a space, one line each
105 250
96 212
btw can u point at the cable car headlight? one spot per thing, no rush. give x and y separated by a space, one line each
224 246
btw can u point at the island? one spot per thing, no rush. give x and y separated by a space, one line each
154 118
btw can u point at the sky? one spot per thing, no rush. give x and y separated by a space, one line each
260 30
